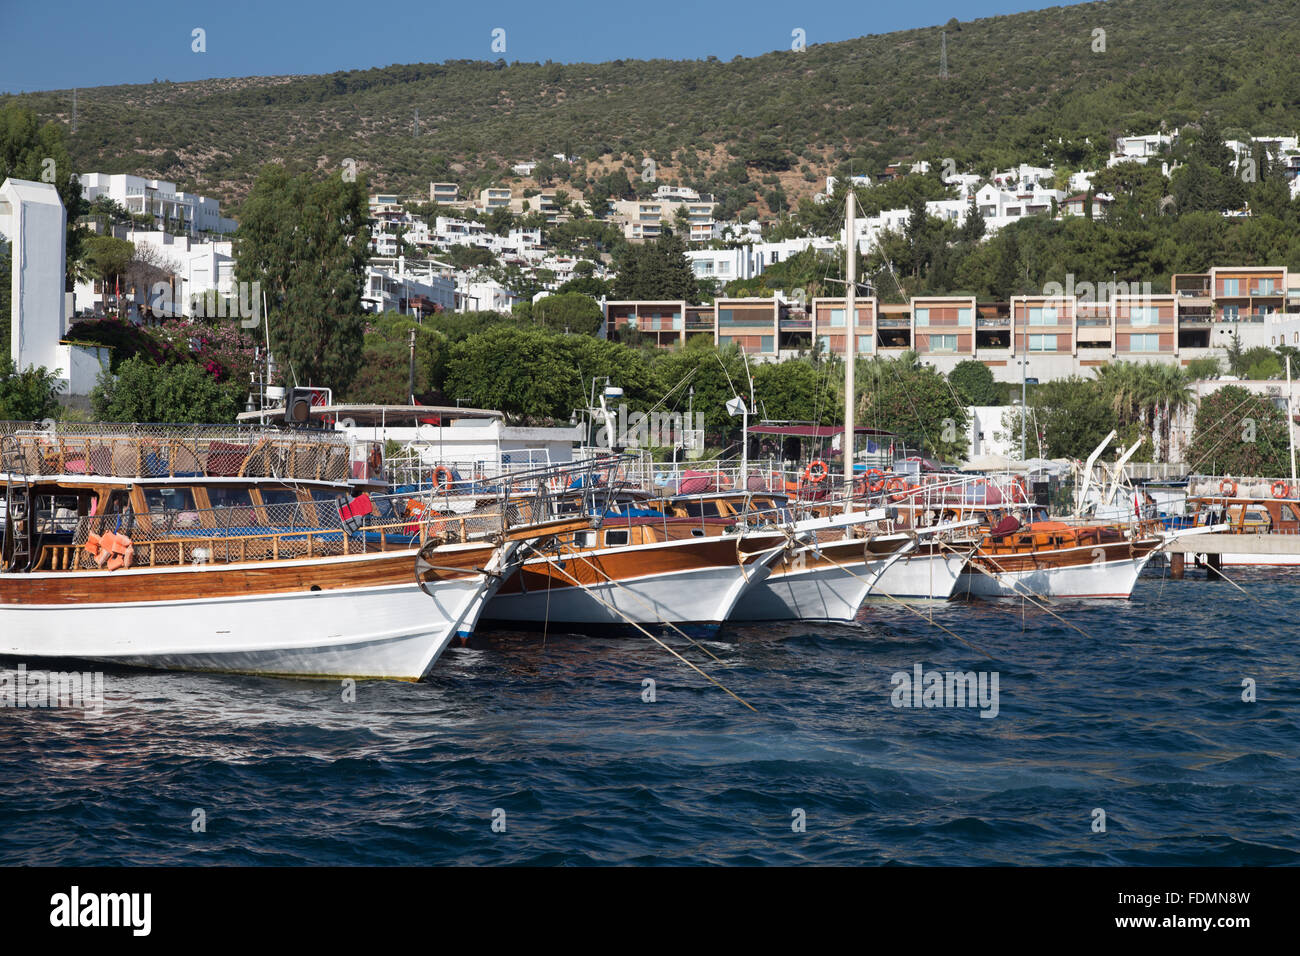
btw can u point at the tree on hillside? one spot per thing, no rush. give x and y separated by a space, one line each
568 312
973 381
914 402
1239 433
107 259
656 270
305 241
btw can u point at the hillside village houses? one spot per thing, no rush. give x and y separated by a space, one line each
409 272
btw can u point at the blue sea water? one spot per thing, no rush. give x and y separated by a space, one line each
1134 708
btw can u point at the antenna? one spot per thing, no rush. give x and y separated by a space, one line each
943 55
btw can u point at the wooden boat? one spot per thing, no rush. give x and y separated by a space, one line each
636 571
193 552
1250 507
1019 551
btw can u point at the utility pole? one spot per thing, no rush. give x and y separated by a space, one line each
943 55
1024 409
410 391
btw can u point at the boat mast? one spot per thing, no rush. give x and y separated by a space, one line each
850 339
1290 419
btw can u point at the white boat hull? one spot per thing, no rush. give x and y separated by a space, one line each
1108 579
393 631
803 591
702 597
921 577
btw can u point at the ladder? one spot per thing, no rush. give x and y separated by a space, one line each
18 504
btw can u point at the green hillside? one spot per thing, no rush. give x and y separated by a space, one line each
1022 87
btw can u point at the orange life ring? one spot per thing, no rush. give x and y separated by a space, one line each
876 485
1284 492
1228 488
816 471
442 477
897 489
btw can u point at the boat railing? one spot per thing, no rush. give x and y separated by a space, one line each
187 451
325 527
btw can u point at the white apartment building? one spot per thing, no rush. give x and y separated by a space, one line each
445 193
406 286
644 219
172 209
199 266
750 259
476 294
494 197
1023 178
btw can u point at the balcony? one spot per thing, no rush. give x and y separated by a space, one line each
997 323
1099 322
892 323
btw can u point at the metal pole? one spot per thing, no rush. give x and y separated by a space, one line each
850 337
410 388
1024 409
1290 419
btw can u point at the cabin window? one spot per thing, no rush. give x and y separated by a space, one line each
1287 513
278 496
697 532
232 507
585 539
172 500
614 539
56 514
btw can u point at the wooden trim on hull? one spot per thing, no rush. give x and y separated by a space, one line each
137 585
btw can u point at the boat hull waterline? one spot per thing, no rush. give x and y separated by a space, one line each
368 619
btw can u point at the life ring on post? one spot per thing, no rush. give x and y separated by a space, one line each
442 477
877 483
1228 488
375 461
816 471
897 489
1281 489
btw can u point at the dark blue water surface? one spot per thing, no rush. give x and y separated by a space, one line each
1138 713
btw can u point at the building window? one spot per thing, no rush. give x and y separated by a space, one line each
922 316
1143 315
865 343
965 316
1231 312
1144 343
1231 287
837 318
1265 287
1042 316
1042 343
944 343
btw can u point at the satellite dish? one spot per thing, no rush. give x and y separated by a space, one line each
736 406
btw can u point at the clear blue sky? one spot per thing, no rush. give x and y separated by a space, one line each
80 43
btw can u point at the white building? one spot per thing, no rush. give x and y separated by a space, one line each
478 294
34 222
171 209
199 266
411 288
750 259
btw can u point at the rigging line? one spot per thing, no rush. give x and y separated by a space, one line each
1028 594
909 607
636 625
644 603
